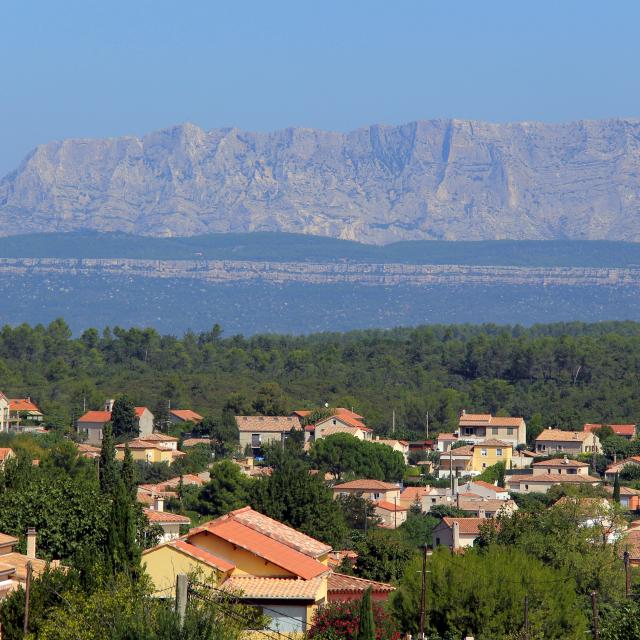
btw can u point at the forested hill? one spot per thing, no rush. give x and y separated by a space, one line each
562 374
293 247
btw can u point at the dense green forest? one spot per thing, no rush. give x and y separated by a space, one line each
561 375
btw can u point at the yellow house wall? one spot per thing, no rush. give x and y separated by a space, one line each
246 563
163 564
491 458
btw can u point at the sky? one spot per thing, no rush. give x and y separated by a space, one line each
107 68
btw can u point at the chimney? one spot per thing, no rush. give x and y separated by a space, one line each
31 543
482 513
456 535
108 405
158 504
464 412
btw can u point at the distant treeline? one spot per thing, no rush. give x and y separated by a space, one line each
286 247
554 375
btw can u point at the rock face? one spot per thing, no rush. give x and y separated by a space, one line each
441 179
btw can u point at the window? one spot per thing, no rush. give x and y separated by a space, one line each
483 452
255 440
510 431
484 465
468 431
494 431
437 542
433 500
499 452
376 496
526 487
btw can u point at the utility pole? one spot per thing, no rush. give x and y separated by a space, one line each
182 586
627 573
393 422
594 613
451 469
526 618
423 593
427 426
27 598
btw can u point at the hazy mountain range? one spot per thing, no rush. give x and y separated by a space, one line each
441 179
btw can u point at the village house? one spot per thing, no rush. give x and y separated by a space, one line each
474 459
561 466
257 431
4 412
264 561
92 422
373 490
152 452
341 423
6 453
88 451
401 446
627 431
147 493
170 523
617 467
475 427
629 498
182 416
445 440
457 533
24 414
571 442
343 588
391 514
485 490
484 507
542 482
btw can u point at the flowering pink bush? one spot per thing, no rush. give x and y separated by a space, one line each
340 621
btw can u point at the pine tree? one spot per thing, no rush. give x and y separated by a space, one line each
123 418
616 488
367 627
108 475
129 473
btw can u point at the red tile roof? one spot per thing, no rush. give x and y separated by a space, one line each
192 442
341 583
262 546
560 462
95 416
619 429
468 526
5 452
390 506
486 485
558 435
187 415
22 404
271 424
257 588
162 517
551 478
158 437
367 485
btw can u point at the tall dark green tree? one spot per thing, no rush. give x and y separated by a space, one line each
161 417
616 488
129 473
108 471
123 418
367 626
122 550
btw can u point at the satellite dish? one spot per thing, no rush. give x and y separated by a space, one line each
326 405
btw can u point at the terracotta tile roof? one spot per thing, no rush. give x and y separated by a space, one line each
162 517
256 588
492 504
624 491
468 526
19 561
341 583
409 495
487 485
625 430
5 452
551 478
140 410
352 422
22 404
158 437
618 466
187 415
301 413
391 443
199 554
466 451
390 506
367 485
262 546
332 429
475 417
557 435
631 543
192 442
95 416
560 462
447 436
141 445
493 442
270 424
281 532
337 557
87 448
6 539
487 420
341 411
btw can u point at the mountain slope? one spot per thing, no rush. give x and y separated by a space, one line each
442 179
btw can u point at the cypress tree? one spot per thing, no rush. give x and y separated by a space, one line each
123 418
367 627
122 550
129 473
108 475
616 488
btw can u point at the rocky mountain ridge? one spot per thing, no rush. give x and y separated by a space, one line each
438 179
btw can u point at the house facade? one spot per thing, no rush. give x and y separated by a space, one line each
257 431
476 427
24 414
561 466
542 482
92 422
373 490
475 458
570 442
4 412
170 523
457 533
391 514
627 431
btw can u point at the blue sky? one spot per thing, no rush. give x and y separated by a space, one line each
98 68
